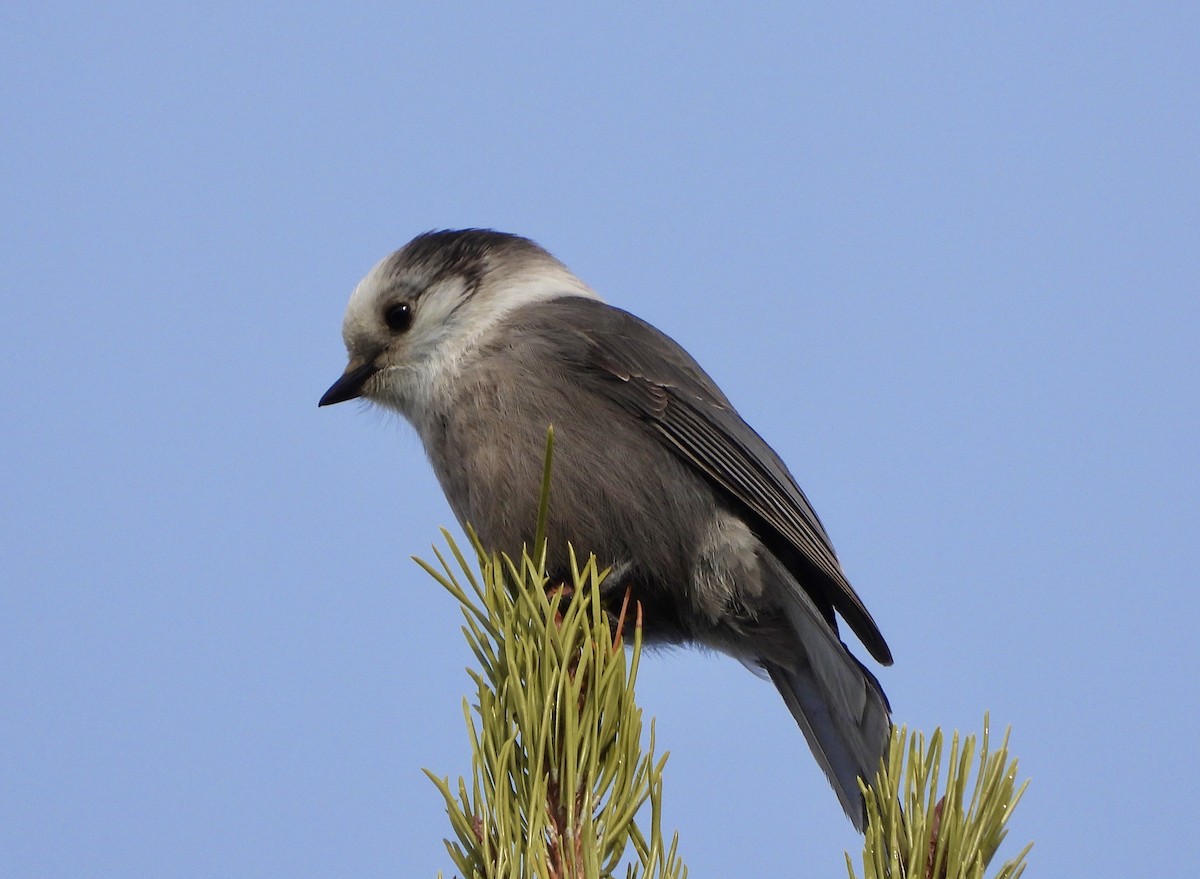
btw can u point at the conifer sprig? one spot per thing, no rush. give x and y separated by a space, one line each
559 775
918 828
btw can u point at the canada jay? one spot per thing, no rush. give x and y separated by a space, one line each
482 340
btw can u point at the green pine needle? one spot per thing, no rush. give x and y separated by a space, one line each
915 831
559 775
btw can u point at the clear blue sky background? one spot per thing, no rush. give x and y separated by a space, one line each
946 261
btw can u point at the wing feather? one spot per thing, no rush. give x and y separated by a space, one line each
653 378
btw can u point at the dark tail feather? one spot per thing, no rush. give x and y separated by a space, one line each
839 706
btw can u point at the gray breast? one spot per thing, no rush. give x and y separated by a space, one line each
616 490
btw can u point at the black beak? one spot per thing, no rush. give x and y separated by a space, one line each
349 385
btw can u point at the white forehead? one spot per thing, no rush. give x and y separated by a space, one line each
357 320
368 289
512 280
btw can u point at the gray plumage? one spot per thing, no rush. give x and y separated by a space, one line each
482 340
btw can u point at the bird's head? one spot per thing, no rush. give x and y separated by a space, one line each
416 317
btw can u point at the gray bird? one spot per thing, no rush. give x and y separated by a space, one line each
482 340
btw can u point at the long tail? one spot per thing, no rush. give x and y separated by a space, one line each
839 706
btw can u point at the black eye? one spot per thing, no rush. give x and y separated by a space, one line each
398 317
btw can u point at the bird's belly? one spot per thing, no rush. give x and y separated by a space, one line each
626 499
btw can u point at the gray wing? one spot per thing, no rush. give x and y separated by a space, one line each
652 377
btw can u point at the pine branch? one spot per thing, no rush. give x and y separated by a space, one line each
916 832
559 777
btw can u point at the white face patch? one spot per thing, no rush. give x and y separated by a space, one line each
361 318
465 319
419 369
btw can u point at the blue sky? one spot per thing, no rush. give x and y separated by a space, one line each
944 260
